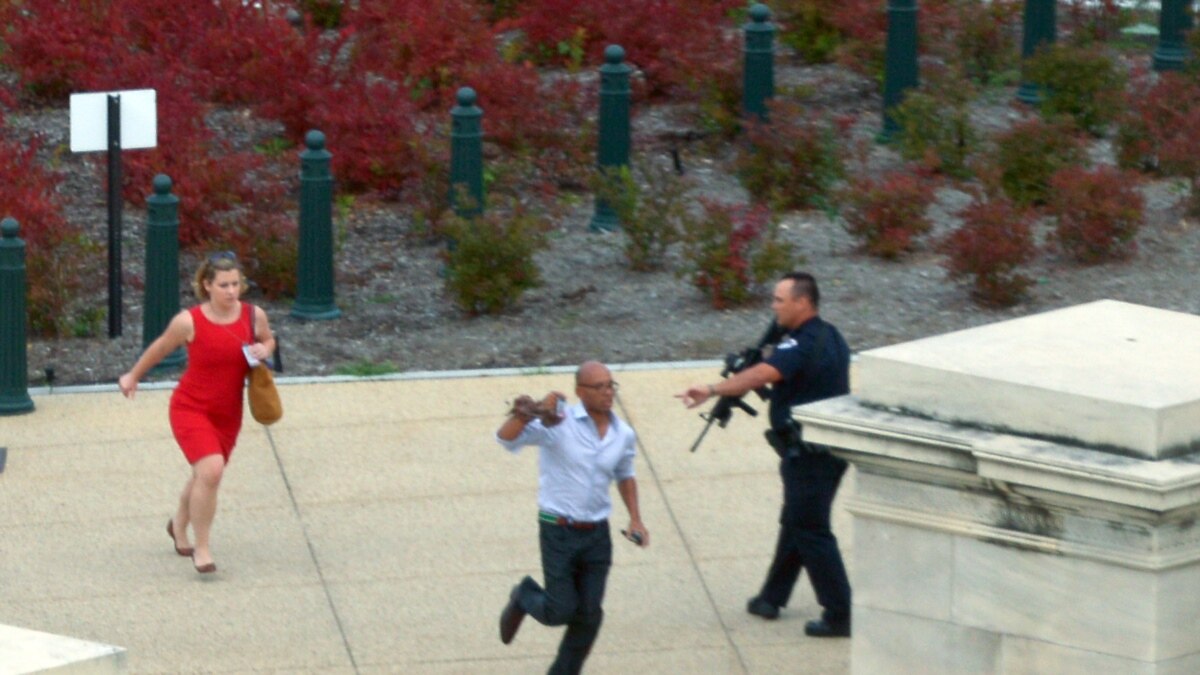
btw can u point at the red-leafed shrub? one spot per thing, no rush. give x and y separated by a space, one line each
990 246
268 248
371 133
422 44
1030 152
162 45
232 44
218 187
672 42
731 249
1098 212
1160 129
793 160
982 38
56 46
302 83
888 213
423 54
522 114
863 25
59 260
1088 21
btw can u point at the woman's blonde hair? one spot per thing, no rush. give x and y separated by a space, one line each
217 262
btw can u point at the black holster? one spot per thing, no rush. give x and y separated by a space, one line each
789 442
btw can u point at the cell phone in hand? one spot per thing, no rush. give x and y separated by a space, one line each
635 537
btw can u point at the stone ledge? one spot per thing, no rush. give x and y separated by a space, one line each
1153 485
30 651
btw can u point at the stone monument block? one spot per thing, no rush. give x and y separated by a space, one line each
1090 375
31 651
1028 496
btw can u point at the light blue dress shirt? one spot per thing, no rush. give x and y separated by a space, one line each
575 465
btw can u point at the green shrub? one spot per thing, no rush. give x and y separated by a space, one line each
489 262
792 161
1080 82
731 250
651 203
935 124
720 102
807 27
324 13
364 368
986 39
1029 153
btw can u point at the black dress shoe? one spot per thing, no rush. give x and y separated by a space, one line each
759 607
510 618
822 628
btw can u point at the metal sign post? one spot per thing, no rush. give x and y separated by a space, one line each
113 121
114 215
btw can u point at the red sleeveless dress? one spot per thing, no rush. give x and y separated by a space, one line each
206 407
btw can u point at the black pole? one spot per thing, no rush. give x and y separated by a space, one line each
114 215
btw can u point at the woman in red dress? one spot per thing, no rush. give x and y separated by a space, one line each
206 407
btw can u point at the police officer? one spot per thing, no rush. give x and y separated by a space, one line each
810 363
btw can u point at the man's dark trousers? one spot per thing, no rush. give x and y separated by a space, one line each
575 563
806 540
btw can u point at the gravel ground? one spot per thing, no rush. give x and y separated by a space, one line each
397 316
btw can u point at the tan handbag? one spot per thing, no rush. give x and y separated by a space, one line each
265 406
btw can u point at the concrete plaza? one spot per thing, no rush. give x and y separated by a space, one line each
378 529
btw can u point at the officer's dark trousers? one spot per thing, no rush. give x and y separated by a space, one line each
575 564
810 482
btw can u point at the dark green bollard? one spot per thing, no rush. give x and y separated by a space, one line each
1040 30
162 268
1174 20
466 155
900 67
613 148
14 364
758 70
314 266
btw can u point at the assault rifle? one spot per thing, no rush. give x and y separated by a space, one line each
722 410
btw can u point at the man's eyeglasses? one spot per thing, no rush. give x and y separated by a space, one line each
222 255
601 386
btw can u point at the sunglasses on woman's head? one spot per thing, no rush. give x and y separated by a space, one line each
222 255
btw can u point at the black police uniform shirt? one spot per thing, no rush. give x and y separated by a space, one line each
808 378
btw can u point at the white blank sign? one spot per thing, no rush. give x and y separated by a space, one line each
89 120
